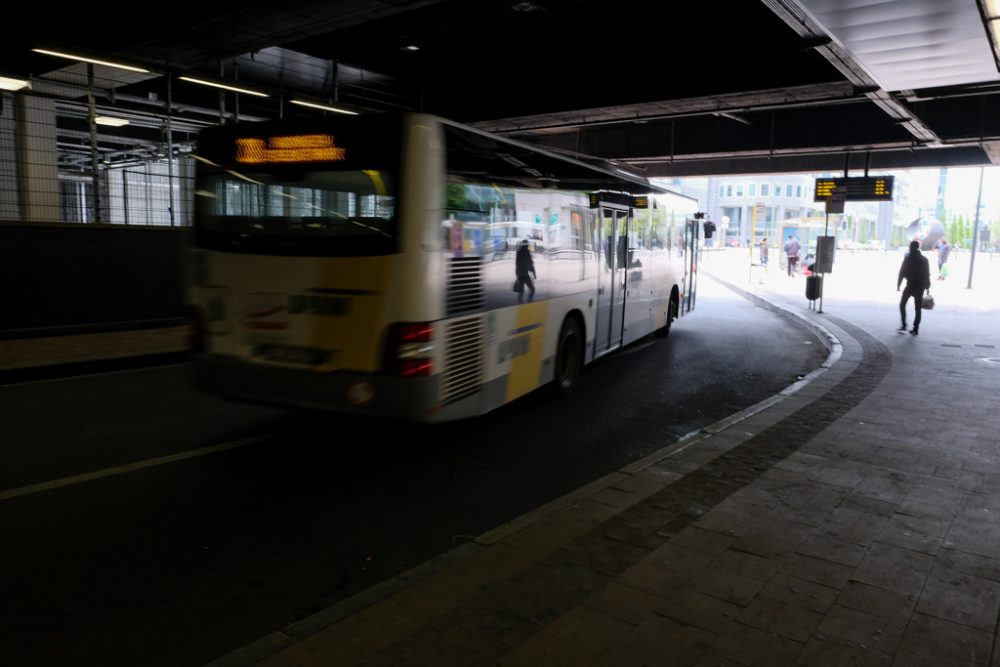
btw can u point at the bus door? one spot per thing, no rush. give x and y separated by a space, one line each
611 279
691 249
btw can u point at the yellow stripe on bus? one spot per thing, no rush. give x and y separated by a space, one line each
352 336
526 368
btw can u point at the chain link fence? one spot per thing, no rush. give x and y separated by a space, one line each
61 162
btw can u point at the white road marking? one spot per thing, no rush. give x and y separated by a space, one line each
122 469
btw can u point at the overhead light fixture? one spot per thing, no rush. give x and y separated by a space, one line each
94 61
991 15
7 83
111 121
324 107
224 86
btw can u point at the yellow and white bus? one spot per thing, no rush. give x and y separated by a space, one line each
369 264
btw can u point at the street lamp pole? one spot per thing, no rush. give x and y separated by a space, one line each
975 231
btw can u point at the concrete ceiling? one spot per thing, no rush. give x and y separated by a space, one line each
675 89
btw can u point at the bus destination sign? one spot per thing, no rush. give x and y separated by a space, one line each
855 188
290 148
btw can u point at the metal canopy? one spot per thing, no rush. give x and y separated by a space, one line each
745 87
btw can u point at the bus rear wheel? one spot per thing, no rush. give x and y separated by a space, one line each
569 356
672 308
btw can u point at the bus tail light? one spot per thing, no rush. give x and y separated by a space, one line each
409 348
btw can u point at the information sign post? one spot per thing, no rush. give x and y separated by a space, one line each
836 191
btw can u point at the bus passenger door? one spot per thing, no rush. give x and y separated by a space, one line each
692 249
611 280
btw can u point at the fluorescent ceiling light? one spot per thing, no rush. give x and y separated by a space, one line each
60 54
992 8
110 120
324 107
223 86
6 83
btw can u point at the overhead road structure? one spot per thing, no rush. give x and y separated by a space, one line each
751 87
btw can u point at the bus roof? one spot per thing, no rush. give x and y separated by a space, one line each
582 172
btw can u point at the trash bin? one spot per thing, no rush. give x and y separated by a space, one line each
812 287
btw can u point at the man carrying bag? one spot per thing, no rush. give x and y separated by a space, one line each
917 271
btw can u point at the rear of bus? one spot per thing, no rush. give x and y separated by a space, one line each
306 280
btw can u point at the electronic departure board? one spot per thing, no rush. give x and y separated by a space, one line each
855 188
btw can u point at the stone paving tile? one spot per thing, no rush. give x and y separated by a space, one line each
924 534
605 557
900 570
730 517
765 492
728 586
967 478
932 641
548 534
972 564
961 598
864 629
974 534
890 486
833 547
659 642
981 506
828 651
623 603
817 570
877 601
710 659
703 611
665 571
572 639
784 619
926 507
746 564
800 462
811 596
451 645
706 541
646 482
752 646
858 518
810 503
586 509
616 497
869 505
674 465
774 539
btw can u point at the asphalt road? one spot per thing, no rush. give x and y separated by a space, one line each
143 524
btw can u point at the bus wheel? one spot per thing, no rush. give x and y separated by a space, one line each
569 356
664 331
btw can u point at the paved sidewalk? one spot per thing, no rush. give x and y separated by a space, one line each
37 352
852 519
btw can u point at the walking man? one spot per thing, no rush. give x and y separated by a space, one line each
917 271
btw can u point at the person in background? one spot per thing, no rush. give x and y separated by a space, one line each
792 250
524 270
917 271
943 250
763 252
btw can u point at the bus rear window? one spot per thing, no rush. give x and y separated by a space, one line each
303 213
